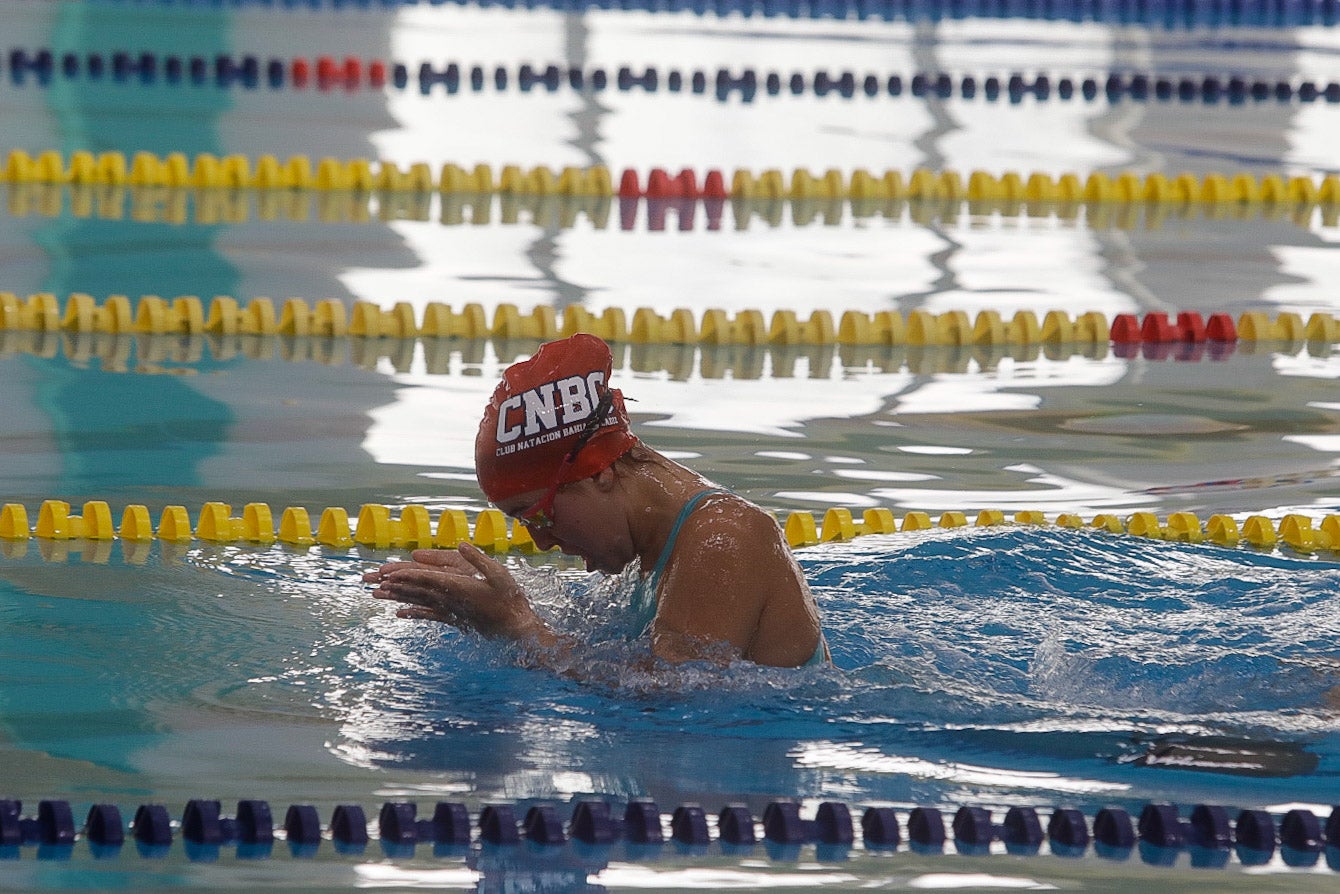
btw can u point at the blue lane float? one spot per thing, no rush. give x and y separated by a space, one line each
1160 832
250 72
1170 14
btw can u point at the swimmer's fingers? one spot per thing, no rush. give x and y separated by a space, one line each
423 603
466 559
423 614
496 607
380 574
467 597
470 561
446 559
412 584
492 570
427 614
423 559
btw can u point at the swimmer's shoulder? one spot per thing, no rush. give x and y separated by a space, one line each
727 521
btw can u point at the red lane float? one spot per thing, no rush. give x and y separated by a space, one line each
1156 328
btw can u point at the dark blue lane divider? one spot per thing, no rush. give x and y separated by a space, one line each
43 66
1162 13
1160 832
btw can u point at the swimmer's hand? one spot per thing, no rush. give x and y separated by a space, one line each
461 587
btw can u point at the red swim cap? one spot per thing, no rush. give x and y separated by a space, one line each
539 411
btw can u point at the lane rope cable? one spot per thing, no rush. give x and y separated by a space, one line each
328 73
298 172
209 206
225 315
376 526
1169 14
1160 831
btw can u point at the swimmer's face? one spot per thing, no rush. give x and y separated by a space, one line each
574 525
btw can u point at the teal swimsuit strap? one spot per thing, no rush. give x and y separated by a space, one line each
643 601
655 577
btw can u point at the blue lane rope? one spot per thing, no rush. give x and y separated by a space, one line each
1160 830
1170 14
251 72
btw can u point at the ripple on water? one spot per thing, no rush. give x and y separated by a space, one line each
1008 652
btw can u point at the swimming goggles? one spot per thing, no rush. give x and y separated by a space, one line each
539 516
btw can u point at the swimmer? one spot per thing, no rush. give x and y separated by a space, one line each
555 452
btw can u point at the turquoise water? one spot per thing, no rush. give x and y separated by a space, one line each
994 668
997 667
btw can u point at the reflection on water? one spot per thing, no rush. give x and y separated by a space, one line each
1051 428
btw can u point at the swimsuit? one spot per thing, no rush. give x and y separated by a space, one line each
643 601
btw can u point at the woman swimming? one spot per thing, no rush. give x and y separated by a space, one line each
554 451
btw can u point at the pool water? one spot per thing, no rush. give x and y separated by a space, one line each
989 666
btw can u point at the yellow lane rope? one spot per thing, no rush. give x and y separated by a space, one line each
200 206
378 527
225 315
268 172
176 355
